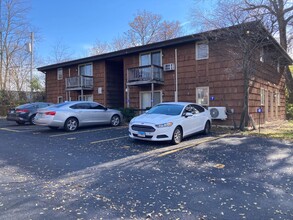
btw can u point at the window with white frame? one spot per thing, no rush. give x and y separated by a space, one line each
262 55
86 69
59 99
202 50
202 95
86 98
278 66
59 74
262 96
151 58
278 98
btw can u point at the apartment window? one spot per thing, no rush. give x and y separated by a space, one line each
59 74
202 95
202 50
278 66
86 98
262 96
262 55
59 99
86 69
278 98
151 58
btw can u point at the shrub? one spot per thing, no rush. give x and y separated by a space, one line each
289 111
128 113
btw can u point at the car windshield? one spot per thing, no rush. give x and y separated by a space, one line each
170 109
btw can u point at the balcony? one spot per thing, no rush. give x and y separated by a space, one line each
79 83
145 75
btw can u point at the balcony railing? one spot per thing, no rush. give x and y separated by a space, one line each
145 74
79 82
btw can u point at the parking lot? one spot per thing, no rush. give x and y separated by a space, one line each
99 173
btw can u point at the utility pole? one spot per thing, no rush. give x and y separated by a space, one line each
31 51
1 46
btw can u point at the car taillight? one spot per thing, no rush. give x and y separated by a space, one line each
22 110
50 113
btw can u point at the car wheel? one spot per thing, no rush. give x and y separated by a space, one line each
177 135
115 120
207 128
71 124
20 122
32 119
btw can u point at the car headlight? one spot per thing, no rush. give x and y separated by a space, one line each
169 124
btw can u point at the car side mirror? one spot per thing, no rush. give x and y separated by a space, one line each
188 114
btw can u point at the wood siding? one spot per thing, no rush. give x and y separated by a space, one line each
221 72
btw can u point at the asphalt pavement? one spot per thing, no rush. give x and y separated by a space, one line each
99 173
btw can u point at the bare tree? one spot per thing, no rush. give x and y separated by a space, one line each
276 15
120 42
14 37
169 30
279 16
148 27
60 52
99 48
242 42
145 28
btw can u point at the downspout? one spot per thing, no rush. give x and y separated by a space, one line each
152 86
176 78
69 95
127 91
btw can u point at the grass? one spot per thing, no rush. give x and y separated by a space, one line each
279 130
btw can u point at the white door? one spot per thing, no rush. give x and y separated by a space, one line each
146 99
89 98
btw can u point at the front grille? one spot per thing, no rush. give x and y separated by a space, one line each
144 128
147 136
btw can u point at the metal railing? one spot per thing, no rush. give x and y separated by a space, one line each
145 73
84 82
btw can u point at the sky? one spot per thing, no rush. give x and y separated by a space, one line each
77 24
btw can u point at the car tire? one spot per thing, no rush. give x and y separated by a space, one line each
32 119
207 128
177 135
71 124
115 120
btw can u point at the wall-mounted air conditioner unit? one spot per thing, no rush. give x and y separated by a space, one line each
218 113
169 67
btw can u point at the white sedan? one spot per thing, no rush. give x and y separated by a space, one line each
170 121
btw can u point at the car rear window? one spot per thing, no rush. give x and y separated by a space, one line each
166 109
60 105
24 106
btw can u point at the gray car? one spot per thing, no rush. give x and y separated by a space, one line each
74 114
26 112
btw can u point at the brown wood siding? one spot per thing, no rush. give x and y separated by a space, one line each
221 72
273 82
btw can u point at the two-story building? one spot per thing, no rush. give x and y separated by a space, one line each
195 68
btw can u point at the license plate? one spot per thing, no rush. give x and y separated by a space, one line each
12 111
141 134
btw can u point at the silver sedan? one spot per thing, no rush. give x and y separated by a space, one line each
74 114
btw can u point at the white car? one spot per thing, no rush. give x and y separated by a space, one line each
75 114
170 121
